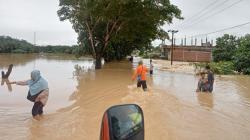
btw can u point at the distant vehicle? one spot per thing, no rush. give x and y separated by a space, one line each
123 122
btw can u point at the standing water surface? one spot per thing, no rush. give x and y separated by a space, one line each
79 96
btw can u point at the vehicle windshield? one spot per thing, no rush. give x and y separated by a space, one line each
126 122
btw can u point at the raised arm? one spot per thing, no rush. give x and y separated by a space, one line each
21 83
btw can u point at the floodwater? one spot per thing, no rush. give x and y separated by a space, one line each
79 96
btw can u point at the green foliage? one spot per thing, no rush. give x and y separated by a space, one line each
9 45
79 51
162 35
18 51
242 56
222 67
114 26
225 48
117 51
155 55
217 67
56 49
157 49
237 51
150 52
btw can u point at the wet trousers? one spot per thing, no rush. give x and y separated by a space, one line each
37 108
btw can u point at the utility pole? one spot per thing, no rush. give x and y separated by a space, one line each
172 48
34 39
192 41
185 41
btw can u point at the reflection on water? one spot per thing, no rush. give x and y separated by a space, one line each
80 95
6 82
205 99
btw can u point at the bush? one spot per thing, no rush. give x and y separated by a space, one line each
222 67
18 51
217 67
155 55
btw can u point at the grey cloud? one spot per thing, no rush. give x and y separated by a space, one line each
21 18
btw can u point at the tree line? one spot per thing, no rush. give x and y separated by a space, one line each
233 52
12 45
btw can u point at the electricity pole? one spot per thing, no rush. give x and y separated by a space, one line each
34 39
172 48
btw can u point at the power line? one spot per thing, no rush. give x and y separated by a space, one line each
209 11
218 12
221 30
201 11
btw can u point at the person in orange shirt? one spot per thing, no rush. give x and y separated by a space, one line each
140 74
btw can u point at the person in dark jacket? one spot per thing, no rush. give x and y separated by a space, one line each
210 79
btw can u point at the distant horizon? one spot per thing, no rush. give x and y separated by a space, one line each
38 44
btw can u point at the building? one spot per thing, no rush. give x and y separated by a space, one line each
188 53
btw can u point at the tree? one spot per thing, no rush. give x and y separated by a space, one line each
241 59
162 35
225 48
104 23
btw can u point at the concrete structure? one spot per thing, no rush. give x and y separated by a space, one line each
188 53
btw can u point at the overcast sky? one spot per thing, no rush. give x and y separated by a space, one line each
21 18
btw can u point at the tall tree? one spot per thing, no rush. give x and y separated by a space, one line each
225 48
241 58
99 22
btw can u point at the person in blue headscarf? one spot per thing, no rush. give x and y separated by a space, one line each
38 92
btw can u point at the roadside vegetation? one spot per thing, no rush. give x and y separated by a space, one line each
150 52
12 45
231 55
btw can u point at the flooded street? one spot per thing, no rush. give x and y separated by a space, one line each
80 95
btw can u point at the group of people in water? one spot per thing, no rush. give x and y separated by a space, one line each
39 91
205 83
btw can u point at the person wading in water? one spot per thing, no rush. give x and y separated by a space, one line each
38 92
151 67
140 74
210 79
202 84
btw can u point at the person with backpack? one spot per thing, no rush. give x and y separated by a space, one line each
140 74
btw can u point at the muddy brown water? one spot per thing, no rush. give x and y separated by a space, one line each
79 95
